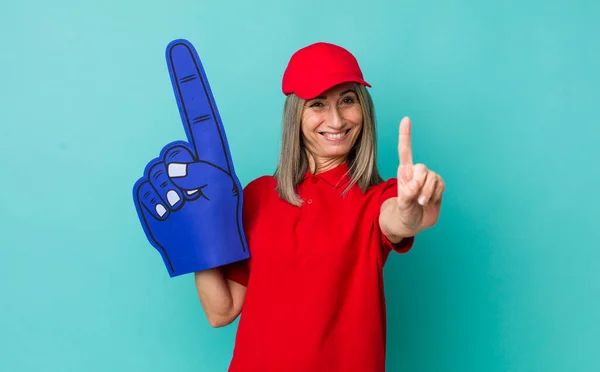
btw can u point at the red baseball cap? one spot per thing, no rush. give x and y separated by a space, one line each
318 67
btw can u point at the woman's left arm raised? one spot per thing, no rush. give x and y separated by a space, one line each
417 206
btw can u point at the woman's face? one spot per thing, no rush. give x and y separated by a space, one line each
331 124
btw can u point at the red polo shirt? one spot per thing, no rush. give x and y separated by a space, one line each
315 297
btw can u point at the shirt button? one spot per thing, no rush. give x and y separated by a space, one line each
309 201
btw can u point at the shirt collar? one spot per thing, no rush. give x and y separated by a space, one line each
336 177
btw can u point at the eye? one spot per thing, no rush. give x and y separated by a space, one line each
348 100
316 104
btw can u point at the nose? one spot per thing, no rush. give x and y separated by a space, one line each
335 119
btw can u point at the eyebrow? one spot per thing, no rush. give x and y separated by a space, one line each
341 94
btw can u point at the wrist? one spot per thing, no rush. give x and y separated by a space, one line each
408 217
393 222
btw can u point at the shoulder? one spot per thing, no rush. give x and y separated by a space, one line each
391 182
257 196
384 190
260 185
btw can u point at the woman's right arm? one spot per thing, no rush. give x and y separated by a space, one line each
221 299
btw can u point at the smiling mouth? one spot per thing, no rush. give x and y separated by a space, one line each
335 136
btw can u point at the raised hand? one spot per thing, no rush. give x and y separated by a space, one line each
419 189
189 200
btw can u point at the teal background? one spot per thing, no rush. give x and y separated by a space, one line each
504 98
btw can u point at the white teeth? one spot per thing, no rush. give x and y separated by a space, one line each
334 136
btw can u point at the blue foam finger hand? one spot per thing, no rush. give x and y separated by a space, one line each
203 229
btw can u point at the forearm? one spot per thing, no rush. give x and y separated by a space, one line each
220 303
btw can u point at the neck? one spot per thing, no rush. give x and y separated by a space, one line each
319 165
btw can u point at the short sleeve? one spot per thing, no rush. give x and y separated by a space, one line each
390 190
239 272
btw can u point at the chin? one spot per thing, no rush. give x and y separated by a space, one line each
336 152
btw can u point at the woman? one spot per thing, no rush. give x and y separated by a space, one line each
320 230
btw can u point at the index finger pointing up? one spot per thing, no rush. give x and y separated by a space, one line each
405 170
405 143
196 104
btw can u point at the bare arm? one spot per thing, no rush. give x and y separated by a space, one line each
417 206
221 298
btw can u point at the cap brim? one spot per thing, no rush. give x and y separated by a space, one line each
312 91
